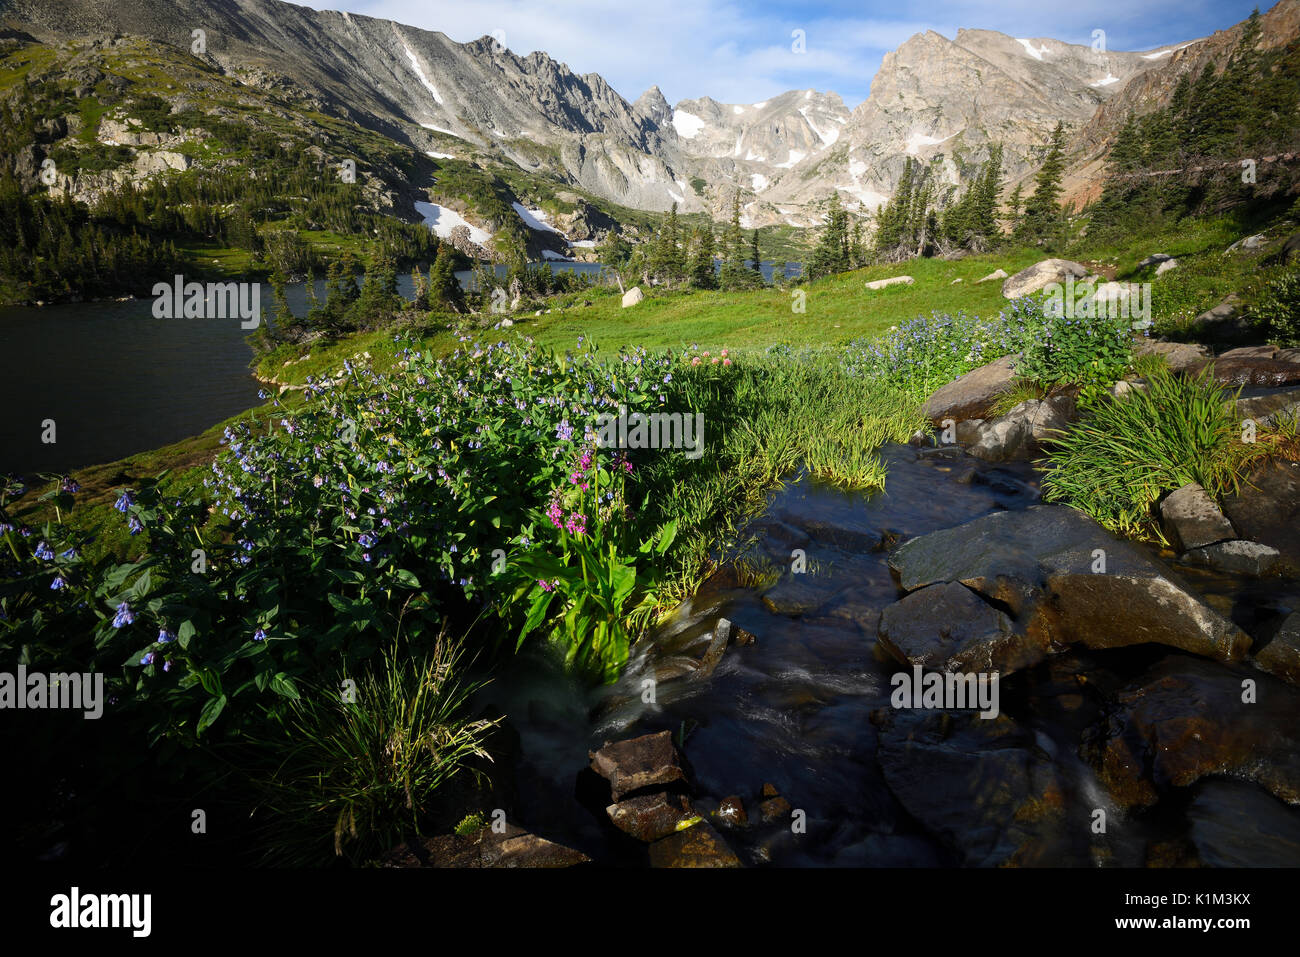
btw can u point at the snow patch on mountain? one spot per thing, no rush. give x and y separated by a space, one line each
687 125
443 220
415 65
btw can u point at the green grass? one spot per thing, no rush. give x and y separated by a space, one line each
1127 453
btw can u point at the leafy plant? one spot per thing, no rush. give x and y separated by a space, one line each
1279 308
1077 350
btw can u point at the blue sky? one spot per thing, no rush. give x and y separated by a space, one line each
741 52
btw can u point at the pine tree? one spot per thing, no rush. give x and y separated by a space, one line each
703 275
734 275
420 288
755 257
831 254
444 289
1042 212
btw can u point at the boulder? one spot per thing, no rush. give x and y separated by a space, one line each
891 281
1185 720
638 763
995 274
1191 518
649 817
1155 259
1266 509
1281 656
1034 278
1236 557
1287 251
1179 356
796 595
1166 266
1269 407
632 296
972 395
1250 242
980 786
1224 324
1021 432
696 846
947 627
1254 366
1039 563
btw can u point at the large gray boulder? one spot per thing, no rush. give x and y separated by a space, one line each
1179 356
1266 509
1281 656
1065 580
1034 278
972 395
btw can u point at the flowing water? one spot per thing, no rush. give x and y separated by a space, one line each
795 708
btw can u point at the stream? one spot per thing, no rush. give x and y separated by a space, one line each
800 709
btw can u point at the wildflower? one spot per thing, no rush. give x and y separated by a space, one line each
124 615
134 526
259 635
44 552
167 665
58 583
165 636
147 659
124 502
70 486
726 362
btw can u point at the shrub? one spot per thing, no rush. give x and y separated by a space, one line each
1077 350
1279 308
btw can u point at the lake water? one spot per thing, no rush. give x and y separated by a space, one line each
117 381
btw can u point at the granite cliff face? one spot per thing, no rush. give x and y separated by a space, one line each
940 101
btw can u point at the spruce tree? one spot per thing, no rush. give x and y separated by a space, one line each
444 289
703 275
1042 211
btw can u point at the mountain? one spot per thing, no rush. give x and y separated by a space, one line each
417 86
941 101
945 102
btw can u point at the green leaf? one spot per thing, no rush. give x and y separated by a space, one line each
211 711
283 685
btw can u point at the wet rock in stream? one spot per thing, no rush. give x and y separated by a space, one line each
638 763
485 848
982 786
1066 580
1233 824
948 627
1187 719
